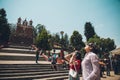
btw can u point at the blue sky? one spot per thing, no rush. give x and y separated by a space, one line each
68 15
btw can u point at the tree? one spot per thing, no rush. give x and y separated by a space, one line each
89 31
97 41
4 28
76 40
39 28
42 39
102 45
66 41
54 39
12 28
107 44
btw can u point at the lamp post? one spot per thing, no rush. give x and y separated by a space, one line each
62 32
62 52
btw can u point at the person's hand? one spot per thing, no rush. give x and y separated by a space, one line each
74 54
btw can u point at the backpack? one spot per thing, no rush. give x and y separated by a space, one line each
54 58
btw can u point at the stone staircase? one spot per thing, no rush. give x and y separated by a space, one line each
19 56
19 64
30 72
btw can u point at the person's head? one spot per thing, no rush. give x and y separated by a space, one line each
77 48
53 51
89 47
39 49
78 56
33 45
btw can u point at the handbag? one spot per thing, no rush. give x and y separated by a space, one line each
72 72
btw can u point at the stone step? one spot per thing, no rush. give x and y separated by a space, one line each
55 78
30 77
27 70
19 64
24 65
23 62
19 71
16 50
8 68
23 68
19 56
31 73
19 47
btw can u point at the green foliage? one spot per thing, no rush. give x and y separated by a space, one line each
82 52
76 40
64 41
55 38
97 41
12 28
107 44
42 40
39 28
89 31
4 28
102 45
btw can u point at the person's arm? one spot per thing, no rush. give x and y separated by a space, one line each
96 69
46 57
68 56
35 48
72 58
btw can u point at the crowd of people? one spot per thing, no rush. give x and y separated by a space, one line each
91 67
53 58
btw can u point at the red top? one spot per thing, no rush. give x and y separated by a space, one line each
76 65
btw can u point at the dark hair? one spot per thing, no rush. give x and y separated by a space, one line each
77 48
93 46
54 50
78 56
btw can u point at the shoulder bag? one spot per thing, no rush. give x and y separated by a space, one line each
72 72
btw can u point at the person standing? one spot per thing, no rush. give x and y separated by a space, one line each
102 67
90 64
74 60
108 66
115 65
54 60
36 51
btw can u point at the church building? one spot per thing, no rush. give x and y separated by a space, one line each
24 33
